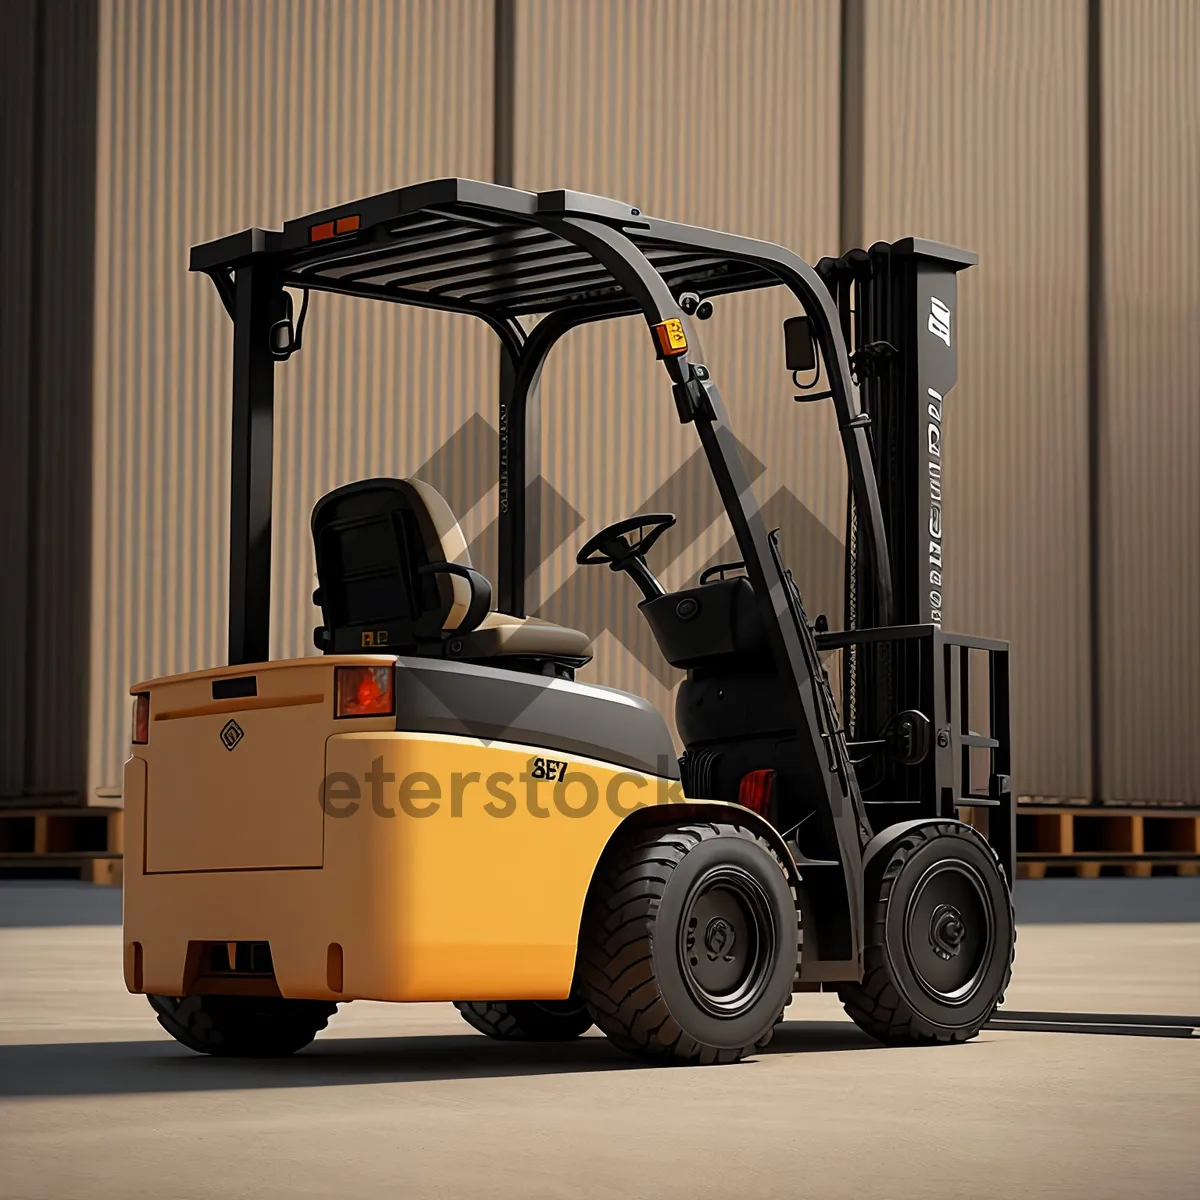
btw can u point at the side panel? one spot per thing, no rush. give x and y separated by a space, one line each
454 868
483 867
134 781
1149 416
242 784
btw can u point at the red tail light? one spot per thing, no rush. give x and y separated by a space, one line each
755 790
141 718
365 692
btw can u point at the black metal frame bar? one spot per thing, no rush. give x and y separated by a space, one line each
256 305
939 684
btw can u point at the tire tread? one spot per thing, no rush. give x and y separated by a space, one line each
615 970
875 1005
523 1020
242 1026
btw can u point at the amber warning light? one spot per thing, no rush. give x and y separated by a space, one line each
669 338
365 692
329 229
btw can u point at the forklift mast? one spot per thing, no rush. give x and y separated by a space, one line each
898 307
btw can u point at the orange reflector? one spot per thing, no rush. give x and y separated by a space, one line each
141 718
670 338
334 969
364 692
133 963
754 792
328 229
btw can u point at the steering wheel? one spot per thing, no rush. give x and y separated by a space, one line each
611 546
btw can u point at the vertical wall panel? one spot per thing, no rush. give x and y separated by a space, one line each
975 134
1150 401
18 105
722 114
47 147
218 114
213 117
61 448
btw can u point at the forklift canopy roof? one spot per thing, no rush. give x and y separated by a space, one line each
487 250
499 253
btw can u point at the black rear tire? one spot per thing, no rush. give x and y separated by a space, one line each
690 943
242 1026
527 1020
940 939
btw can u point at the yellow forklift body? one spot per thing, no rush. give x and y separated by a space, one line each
375 863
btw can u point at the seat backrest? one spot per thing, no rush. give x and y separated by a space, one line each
371 538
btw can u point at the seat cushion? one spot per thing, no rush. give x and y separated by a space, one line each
499 634
443 540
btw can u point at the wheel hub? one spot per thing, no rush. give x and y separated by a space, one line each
946 931
949 932
726 941
719 939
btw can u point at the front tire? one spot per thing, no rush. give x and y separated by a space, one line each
527 1020
940 937
242 1026
690 943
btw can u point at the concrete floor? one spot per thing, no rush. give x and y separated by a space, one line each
95 1101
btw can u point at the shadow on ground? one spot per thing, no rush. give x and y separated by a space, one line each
1038 902
123 1068
30 904
1116 901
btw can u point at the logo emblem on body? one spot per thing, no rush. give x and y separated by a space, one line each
939 320
231 735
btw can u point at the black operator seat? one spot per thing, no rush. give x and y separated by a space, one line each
394 576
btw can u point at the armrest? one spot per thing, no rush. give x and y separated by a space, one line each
481 591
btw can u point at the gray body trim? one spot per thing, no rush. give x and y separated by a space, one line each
494 704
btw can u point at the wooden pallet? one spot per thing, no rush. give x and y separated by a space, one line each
1087 842
62 843
1094 841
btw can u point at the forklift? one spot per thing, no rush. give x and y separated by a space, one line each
434 808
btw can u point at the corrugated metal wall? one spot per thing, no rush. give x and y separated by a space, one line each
212 117
718 114
1150 401
975 134
18 105
47 147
